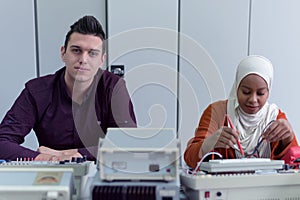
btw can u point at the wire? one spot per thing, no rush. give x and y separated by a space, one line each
260 140
238 142
268 125
200 162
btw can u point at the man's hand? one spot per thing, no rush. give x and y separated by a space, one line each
49 154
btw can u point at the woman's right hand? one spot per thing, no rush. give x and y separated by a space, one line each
225 137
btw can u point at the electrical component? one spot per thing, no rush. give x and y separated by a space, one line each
36 183
280 185
139 154
134 190
80 169
241 165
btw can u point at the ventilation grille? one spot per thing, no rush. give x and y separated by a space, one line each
124 192
292 198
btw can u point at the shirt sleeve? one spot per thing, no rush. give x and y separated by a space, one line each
89 152
210 121
16 124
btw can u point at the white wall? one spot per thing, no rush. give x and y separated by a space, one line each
214 37
54 20
143 38
275 33
18 39
17 52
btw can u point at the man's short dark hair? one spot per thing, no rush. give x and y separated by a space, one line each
87 25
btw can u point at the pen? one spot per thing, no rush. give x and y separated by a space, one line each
238 142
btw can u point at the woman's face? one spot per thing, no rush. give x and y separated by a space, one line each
252 93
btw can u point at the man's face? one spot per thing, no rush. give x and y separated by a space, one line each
83 57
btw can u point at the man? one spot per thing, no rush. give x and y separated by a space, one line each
69 110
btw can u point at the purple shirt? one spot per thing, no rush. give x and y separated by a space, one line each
45 106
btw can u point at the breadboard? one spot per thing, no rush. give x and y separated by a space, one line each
241 165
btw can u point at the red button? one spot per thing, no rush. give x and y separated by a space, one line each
206 194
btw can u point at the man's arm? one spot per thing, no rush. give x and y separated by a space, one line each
16 124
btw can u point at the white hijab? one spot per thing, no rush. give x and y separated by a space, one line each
252 125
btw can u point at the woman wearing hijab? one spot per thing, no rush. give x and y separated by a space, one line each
246 124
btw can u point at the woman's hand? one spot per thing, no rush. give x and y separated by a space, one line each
279 130
224 137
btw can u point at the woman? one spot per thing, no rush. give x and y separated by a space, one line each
258 129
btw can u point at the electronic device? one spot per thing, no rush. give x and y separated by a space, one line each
134 190
274 185
246 178
139 154
241 165
80 170
36 184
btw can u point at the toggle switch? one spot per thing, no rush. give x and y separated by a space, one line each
118 70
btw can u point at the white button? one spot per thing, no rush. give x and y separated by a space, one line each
52 195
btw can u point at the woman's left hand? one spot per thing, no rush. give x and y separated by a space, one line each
280 129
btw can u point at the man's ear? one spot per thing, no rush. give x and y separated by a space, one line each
103 58
62 51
